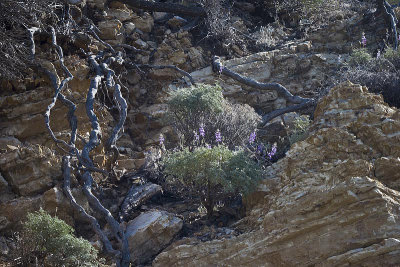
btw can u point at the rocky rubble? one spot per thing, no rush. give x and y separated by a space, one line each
329 202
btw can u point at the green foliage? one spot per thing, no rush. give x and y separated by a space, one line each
393 2
311 3
204 105
392 54
196 100
300 130
359 57
51 240
211 173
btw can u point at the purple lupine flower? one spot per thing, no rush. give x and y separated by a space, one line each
363 40
218 136
201 131
208 146
260 149
221 68
196 136
161 139
399 37
252 137
378 55
272 152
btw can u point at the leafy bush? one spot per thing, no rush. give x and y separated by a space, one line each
393 56
204 106
212 173
51 241
359 57
380 75
300 131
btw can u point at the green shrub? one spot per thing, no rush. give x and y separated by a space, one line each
300 130
390 53
203 105
359 57
196 100
212 173
51 241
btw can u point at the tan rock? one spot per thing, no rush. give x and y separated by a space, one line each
323 204
140 162
119 14
7 141
176 22
156 111
30 170
110 29
127 164
129 27
97 3
14 212
150 232
387 170
140 44
144 23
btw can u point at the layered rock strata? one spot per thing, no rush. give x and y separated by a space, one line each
332 201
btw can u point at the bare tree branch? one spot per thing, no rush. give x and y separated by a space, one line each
281 90
58 88
66 166
391 16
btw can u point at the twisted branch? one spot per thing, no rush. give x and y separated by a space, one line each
393 21
94 141
66 166
58 88
300 102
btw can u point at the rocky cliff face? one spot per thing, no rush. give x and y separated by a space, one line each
332 201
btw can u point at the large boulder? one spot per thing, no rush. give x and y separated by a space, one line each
151 232
332 201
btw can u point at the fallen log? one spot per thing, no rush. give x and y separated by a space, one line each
136 196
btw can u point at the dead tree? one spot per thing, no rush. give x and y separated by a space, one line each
387 10
102 70
79 163
297 101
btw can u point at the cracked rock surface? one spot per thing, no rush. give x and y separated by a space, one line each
330 202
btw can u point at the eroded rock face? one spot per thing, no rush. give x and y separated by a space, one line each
29 170
150 232
299 69
13 212
329 202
